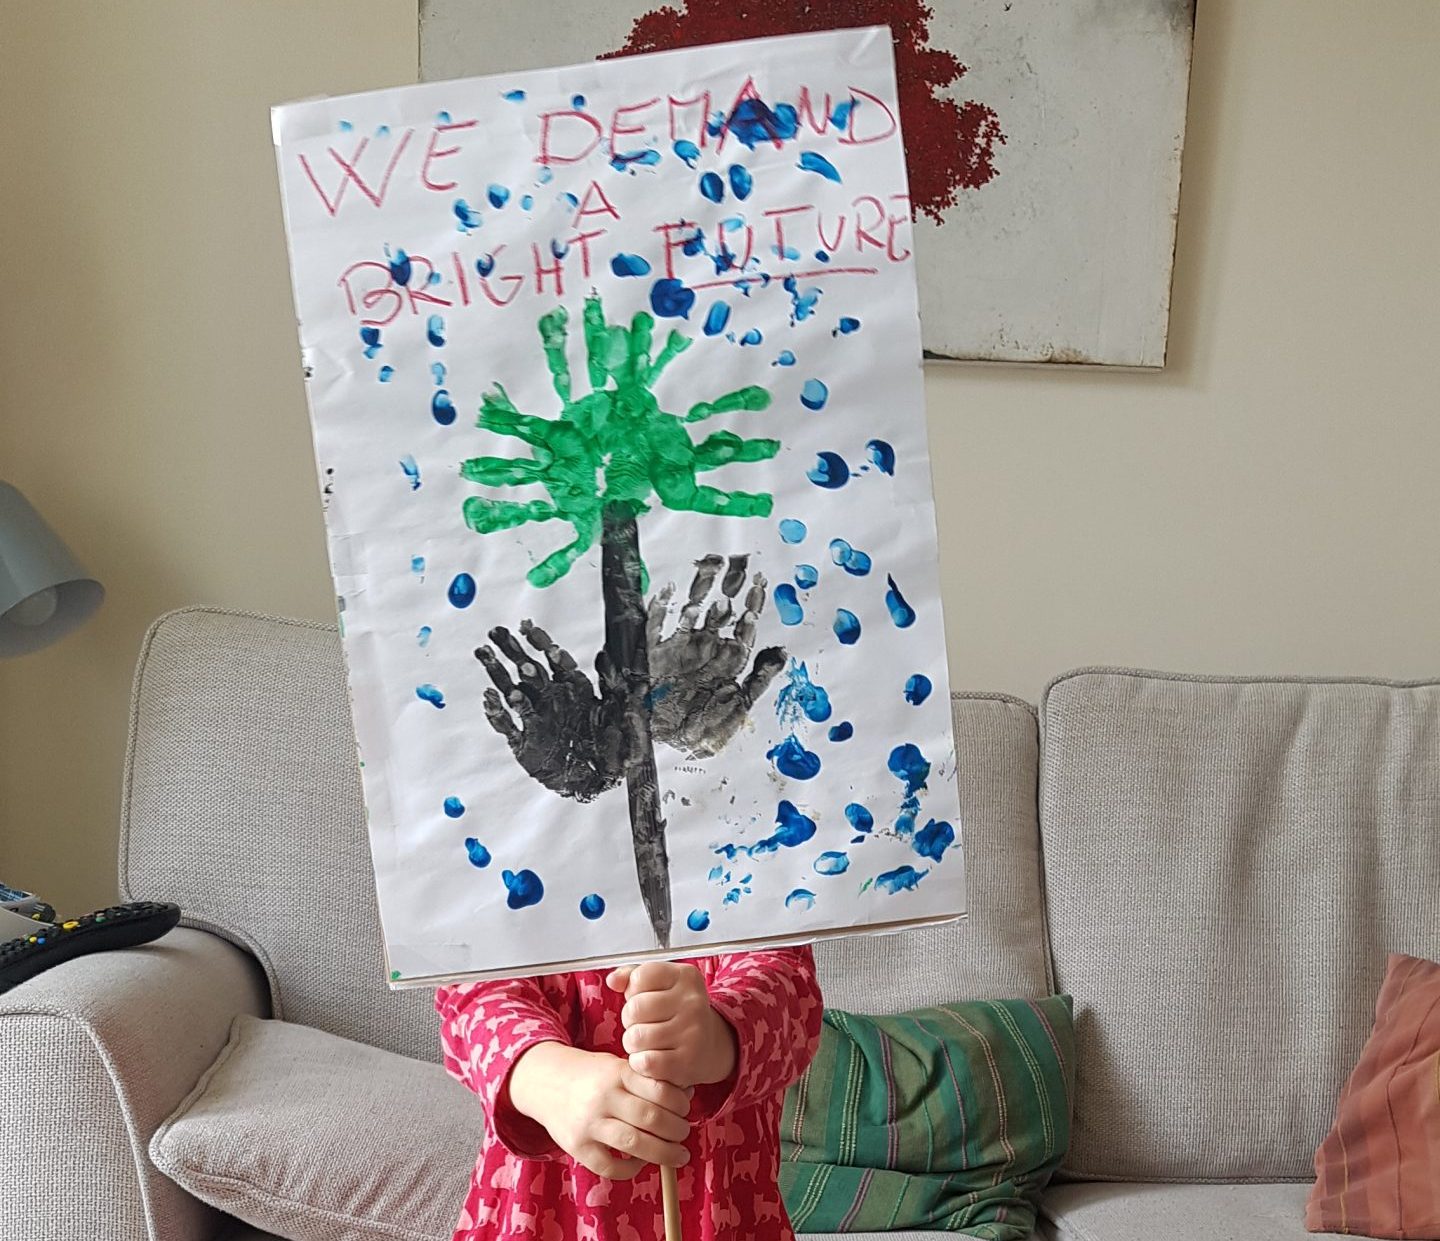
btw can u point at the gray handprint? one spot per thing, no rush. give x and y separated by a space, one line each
562 731
700 692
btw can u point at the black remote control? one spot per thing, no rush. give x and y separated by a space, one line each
120 926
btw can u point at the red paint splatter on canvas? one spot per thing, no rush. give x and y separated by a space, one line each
949 146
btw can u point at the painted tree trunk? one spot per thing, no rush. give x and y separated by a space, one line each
625 647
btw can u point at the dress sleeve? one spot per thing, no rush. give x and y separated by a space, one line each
772 1002
485 1027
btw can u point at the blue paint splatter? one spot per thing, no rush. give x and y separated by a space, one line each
822 256
814 394
577 102
786 358
433 278
792 530
498 195
514 96
754 121
851 559
732 897
630 158
842 731
860 818
417 564
840 117
712 186
832 862
479 855
400 266
741 182
454 807
526 202
387 373
437 369
791 829
442 408
694 244
787 605
524 887
568 199
467 219
792 759
752 337
933 839
901 879
443 117
435 330
829 471
917 689
801 696
546 175
346 127
882 455
557 249
382 131
412 472
847 627
592 906
802 305
910 767
807 576
485 264
812 161
462 591
698 920
423 637
370 338
900 612
687 151
670 299
800 898
846 325
629 265
428 693
716 318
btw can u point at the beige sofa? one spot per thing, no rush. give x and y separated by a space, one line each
1214 868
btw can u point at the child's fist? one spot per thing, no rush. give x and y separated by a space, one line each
672 1033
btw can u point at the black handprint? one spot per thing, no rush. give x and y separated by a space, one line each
560 729
700 693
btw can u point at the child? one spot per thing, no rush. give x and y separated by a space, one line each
588 1080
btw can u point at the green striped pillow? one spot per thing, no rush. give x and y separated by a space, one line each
950 1118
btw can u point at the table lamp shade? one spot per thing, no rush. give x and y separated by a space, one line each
44 591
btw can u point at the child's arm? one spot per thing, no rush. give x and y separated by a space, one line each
743 1039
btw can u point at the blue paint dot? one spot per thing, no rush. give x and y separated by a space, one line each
882 455
694 244
851 559
442 408
428 693
411 472
698 920
400 266
847 325
800 898
840 118
822 256
514 96
910 767
346 127
806 576
860 818
812 161
716 318
592 906
467 219
933 839
687 151
901 879
917 689
437 369
387 373
423 637
526 202
417 564
462 591
546 175
741 181
370 338
900 612
787 605
577 102
829 471
712 187
752 337
525 888
847 627
485 264
498 195
670 299
786 358
435 330
792 759
454 807
832 862
792 530
478 854
629 265
842 731
792 828
814 394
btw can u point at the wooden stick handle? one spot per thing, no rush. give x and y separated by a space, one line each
670 1197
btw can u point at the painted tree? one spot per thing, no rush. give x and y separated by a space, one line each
603 461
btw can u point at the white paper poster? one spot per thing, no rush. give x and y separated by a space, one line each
614 373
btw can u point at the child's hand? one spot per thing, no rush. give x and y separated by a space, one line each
600 1111
671 1031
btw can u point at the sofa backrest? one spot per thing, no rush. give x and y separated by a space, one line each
242 804
1227 864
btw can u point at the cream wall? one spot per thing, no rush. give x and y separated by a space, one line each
1268 504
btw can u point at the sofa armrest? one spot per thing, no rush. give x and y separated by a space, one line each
96 1053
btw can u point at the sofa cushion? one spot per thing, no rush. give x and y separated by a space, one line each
1131 1212
999 948
318 1138
1228 863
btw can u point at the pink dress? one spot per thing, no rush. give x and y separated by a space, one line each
728 1190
